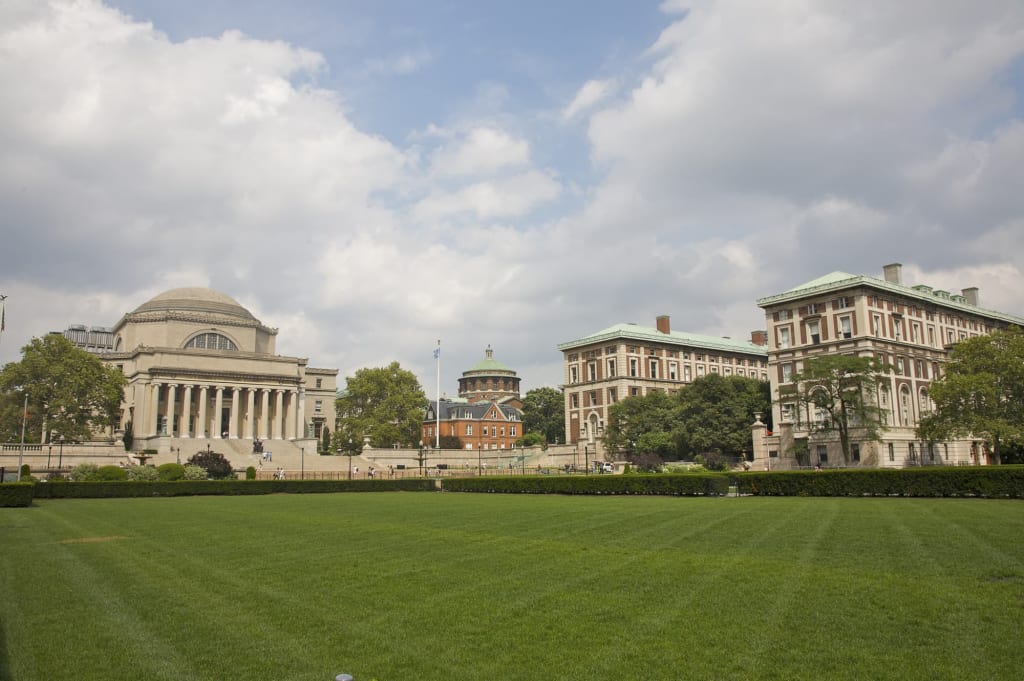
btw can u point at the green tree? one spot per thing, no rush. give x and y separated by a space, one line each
69 390
981 393
544 413
841 391
451 442
385 404
325 444
716 413
645 424
215 464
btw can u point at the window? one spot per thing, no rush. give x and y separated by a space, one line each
814 332
612 398
512 431
485 431
787 372
700 370
845 327
211 341
784 315
855 452
897 329
912 451
469 429
686 373
633 370
931 336
892 452
654 368
876 325
815 308
784 339
593 398
822 454
574 375
319 382
915 332
787 412
843 302
503 431
591 371
673 371
633 392
574 400
714 369
905 405
919 366
318 406
611 367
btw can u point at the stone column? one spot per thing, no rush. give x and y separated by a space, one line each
264 414
300 412
278 413
218 409
250 414
152 405
202 422
233 419
171 396
186 412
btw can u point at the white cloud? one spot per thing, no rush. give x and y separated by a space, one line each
592 92
480 150
402 64
501 198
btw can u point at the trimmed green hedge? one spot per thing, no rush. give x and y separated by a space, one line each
16 494
703 484
963 481
82 490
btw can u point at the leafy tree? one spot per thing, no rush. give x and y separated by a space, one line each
842 389
645 424
716 413
450 442
530 440
215 464
169 472
325 443
981 393
544 413
71 391
385 404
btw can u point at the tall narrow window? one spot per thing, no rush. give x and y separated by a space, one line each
611 368
784 339
814 332
845 327
654 368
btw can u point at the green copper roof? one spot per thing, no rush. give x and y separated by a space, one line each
646 333
488 365
839 281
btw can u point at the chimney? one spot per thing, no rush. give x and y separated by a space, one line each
663 325
759 337
971 294
893 273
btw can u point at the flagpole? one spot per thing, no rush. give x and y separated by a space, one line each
437 410
3 316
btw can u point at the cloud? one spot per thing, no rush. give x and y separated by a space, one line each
503 198
403 64
481 150
592 92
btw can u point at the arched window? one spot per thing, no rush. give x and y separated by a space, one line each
211 341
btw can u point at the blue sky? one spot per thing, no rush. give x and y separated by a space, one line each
370 177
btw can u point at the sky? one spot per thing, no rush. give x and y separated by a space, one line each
371 178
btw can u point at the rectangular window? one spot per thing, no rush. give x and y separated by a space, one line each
319 382
654 368
700 370
573 375
822 454
892 452
318 406
611 368
633 369
591 371
784 339
919 366
633 392
512 431
845 327
574 400
784 315
855 452
876 325
714 369
915 332
593 398
612 397
843 302
787 372
814 332
787 412
673 371
686 373
469 429
485 431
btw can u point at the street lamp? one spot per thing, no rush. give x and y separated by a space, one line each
49 453
479 455
302 463
60 460
586 458
422 456
178 454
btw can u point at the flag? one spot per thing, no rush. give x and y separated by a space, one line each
437 353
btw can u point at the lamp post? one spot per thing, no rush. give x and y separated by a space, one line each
586 458
302 463
351 452
421 457
177 453
479 455
60 459
49 453
575 456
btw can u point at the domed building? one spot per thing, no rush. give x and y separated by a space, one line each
490 380
199 365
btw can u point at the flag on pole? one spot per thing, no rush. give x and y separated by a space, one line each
437 353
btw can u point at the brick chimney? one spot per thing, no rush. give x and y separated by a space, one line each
893 273
759 337
971 294
663 325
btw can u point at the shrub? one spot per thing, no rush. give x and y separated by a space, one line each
194 472
250 473
111 473
16 494
26 471
143 473
128 438
169 472
83 472
215 464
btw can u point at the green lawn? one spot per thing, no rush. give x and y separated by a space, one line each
437 587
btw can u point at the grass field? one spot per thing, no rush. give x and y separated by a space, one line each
415 586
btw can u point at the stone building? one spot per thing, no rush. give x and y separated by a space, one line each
627 360
201 366
912 328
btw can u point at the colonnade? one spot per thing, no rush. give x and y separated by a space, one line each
236 412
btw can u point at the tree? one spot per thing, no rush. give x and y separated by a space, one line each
981 393
544 413
840 391
325 444
645 424
385 404
69 390
716 413
215 464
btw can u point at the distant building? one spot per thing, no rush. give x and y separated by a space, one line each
94 339
910 327
487 414
628 360
199 365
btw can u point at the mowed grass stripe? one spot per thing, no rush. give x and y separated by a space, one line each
402 586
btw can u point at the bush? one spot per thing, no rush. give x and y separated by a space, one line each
128 438
250 473
16 494
110 473
194 472
83 472
143 473
170 472
26 471
215 464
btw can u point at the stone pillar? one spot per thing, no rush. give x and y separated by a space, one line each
289 416
264 414
218 409
152 409
233 419
278 413
186 412
202 422
171 397
759 431
250 414
300 411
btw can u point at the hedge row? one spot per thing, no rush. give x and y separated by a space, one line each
703 484
121 489
16 494
965 481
